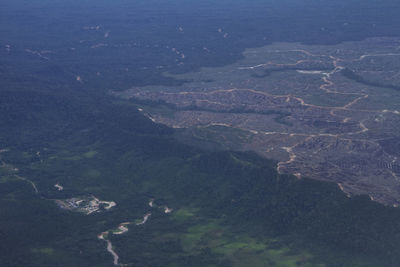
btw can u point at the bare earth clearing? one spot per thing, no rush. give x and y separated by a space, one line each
325 112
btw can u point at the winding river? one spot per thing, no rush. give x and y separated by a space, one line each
123 228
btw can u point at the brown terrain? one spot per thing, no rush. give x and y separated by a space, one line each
330 113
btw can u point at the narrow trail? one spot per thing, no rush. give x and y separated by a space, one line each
28 181
287 97
18 177
326 79
103 236
292 156
325 87
145 219
123 228
375 55
327 84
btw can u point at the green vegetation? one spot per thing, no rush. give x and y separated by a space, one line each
350 74
230 208
47 251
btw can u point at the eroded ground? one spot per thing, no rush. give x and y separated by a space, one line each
326 112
